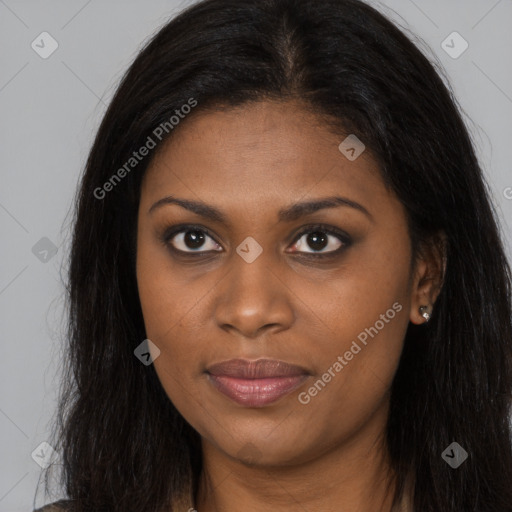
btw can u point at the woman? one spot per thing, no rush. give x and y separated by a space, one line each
287 288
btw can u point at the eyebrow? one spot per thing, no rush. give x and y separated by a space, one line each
287 214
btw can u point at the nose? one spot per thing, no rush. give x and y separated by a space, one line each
253 298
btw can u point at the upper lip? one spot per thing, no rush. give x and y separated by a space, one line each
259 369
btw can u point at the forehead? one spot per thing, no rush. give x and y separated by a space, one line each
259 155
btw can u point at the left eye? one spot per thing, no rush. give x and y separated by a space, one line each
318 240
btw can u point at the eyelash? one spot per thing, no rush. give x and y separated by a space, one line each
171 232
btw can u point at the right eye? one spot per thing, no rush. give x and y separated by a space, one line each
190 240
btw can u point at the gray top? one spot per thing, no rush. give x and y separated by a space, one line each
56 506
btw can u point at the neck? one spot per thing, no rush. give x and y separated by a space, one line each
352 477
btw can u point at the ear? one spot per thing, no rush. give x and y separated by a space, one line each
428 276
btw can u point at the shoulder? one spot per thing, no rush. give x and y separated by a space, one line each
56 506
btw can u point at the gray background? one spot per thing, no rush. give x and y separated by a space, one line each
50 109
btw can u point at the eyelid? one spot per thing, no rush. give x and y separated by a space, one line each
344 238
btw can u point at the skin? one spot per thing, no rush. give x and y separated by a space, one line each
249 162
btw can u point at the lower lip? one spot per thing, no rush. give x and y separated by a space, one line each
256 392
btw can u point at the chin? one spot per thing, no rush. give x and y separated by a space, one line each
258 451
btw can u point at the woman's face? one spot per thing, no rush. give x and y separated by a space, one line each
253 278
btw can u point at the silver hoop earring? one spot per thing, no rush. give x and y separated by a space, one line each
424 313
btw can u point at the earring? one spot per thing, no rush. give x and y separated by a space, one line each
424 313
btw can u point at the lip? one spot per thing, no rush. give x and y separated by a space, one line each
256 383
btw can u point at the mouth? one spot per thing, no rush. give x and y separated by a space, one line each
256 383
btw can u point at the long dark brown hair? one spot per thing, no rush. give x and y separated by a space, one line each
123 445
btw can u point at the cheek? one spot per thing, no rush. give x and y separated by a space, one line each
170 310
164 297
365 311
361 294
170 324
166 320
